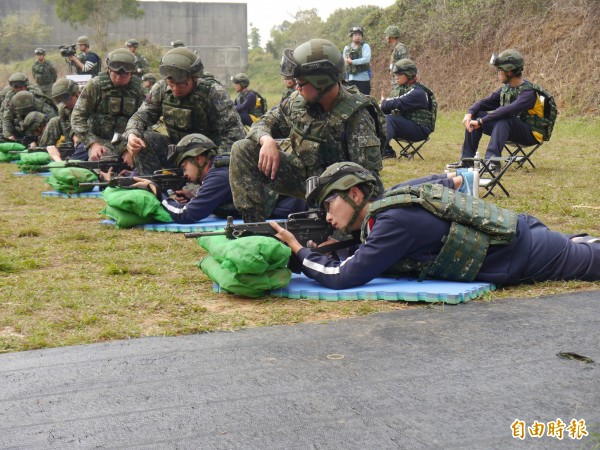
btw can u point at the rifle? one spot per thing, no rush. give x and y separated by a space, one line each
305 226
104 164
166 179
66 149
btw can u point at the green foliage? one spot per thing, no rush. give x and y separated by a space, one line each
24 30
337 27
96 14
253 38
306 25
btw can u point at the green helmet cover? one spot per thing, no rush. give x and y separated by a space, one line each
23 101
179 64
39 51
34 120
318 61
149 76
405 66
510 59
392 31
83 40
18 79
340 177
121 59
131 43
191 146
64 88
241 79
356 29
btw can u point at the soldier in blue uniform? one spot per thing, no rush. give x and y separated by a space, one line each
403 233
198 157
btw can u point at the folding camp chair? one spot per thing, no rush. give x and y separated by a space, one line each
408 149
522 152
487 178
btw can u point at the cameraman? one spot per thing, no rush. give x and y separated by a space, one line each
87 62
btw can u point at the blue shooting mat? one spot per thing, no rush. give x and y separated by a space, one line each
210 223
38 174
95 193
389 289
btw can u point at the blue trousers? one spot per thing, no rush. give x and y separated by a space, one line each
398 127
246 119
500 131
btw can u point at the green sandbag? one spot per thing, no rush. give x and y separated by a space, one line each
8 157
125 219
6 147
139 202
67 179
31 162
249 255
249 285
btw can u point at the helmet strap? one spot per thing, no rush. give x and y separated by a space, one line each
356 207
324 92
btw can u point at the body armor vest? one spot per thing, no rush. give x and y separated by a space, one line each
183 116
117 105
542 125
320 141
356 53
476 225
425 117
42 72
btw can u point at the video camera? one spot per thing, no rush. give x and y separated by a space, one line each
67 50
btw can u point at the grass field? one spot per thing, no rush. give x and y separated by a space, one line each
66 279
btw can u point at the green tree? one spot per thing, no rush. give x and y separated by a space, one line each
19 32
306 25
254 37
339 23
96 14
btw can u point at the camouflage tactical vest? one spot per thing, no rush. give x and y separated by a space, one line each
64 116
183 116
356 53
320 141
43 73
116 106
476 224
425 117
543 125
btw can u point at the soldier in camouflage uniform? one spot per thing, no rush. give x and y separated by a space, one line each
3 93
15 110
326 122
19 82
188 103
64 93
148 80
106 103
392 37
142 65
432 231
44 72
290 87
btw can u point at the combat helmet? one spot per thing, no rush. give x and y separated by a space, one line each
83 40
23 102
356 29
191 146
241 79
121 59
18 79
510 59
131 43
392 31
405 66
179 64
318 61
62 89
34 120
39 51
149 77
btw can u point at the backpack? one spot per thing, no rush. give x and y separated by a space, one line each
261 103
550 109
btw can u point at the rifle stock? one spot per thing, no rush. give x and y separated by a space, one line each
166 179
66 150
102 165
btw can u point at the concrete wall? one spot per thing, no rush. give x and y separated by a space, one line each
217 31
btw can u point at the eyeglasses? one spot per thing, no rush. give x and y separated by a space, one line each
328 201
301 85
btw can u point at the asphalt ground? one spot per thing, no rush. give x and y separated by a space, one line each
442 377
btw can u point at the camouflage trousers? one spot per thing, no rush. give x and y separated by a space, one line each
254 194
154 156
